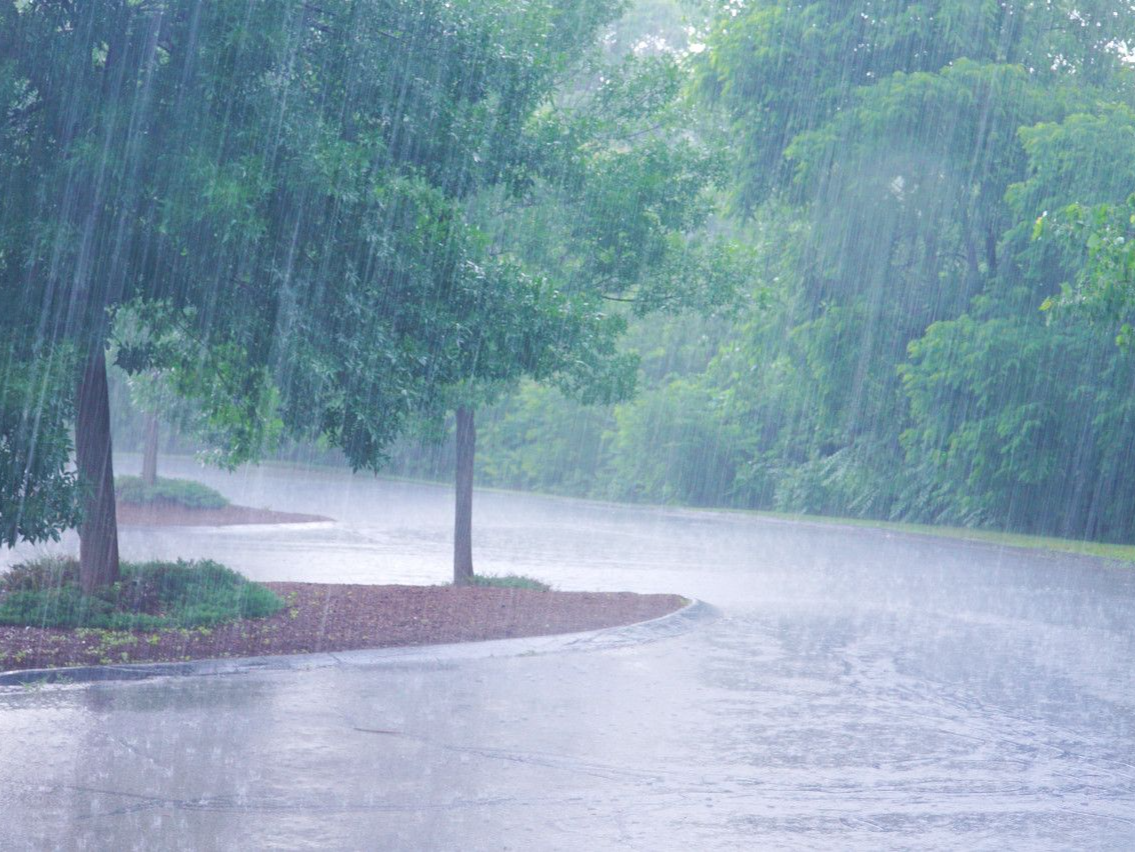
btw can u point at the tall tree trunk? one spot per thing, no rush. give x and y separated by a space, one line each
98 533
463 517
150 451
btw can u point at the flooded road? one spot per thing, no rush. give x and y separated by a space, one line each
862 690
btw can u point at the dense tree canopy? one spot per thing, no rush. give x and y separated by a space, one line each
918 345
332 219
283 181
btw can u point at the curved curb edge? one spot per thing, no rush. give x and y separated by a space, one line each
672 624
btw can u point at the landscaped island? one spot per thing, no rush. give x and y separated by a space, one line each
184 502
164 612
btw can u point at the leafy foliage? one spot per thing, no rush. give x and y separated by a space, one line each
181 492
331 221
38 497
784 70
150 596
893 359
1104 286
274 195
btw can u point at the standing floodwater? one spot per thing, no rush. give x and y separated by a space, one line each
862 690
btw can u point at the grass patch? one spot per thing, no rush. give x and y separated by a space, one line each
510 581
181 492
150 596
1103 550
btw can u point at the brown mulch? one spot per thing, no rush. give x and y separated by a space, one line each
159 514
329 617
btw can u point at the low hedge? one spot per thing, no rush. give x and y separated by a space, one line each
149 596
181 492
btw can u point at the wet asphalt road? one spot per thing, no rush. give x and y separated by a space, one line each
862 690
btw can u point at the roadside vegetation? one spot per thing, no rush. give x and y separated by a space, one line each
177 492
149 596
509 581
823 257
1103 550
940 327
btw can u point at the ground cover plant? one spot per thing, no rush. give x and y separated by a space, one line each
509 581
150 596
181 492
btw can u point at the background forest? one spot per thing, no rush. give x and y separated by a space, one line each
933 320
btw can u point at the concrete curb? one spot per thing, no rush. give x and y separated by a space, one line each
675 623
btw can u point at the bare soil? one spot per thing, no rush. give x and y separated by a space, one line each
329 617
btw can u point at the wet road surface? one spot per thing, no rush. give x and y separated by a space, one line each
862 690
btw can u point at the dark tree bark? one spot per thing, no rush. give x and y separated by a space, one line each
463 518
98 533
991 251
150 451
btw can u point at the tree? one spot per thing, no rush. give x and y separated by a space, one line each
780 70
612 222
892 132
1023 417
1103 287
1079 190
286 180
168 368
894 159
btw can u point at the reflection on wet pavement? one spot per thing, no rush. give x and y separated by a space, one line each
862 691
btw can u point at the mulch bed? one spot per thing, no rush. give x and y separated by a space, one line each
329 617
160 514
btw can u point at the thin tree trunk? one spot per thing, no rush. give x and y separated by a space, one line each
98 533
150 451
463 518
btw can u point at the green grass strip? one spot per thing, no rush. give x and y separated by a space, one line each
1103 550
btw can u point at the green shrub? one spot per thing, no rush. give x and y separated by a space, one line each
149 596
62 607
181 492
47 572
510 581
